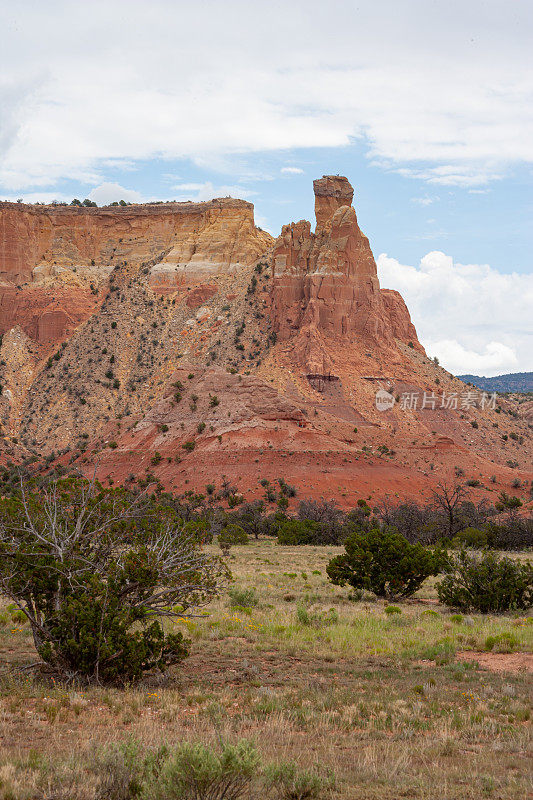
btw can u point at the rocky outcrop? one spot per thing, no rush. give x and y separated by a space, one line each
53 257
331 192
220 239
325 283
45 315
18 360
399 319
220 232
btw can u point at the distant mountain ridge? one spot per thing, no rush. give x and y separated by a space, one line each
511 382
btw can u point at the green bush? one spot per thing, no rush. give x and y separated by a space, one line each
390 610
119 769
190 771
94 570
316 619
471 537
243 598
289 782
502 643
197 772
297 531
383 562
485 582
232 534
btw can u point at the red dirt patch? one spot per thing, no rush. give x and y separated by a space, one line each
500 662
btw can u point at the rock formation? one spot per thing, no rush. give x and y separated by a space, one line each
325 283
177 338
62 252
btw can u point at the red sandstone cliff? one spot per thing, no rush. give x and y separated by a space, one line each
50 255
325 283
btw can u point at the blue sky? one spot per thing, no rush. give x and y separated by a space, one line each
425 106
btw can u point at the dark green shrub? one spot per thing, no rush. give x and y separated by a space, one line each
382 561
486 582
94 570
232 534
299 531
472 537
235 500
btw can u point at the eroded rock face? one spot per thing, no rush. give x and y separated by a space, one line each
45 315
400 319
325 283
47 237
52 257
331 192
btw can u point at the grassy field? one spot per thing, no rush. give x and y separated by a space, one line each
385 700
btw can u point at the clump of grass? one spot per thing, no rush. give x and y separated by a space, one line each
243 598
505 642
392 610
314 618
291 783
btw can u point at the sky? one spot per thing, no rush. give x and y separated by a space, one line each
425 105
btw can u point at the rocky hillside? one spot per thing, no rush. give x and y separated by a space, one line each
180 343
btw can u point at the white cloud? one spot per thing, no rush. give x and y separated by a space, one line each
108 193
441 91
37 197
496 358
292 170
472 317
207 191
422 201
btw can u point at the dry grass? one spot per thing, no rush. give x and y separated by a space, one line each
309 675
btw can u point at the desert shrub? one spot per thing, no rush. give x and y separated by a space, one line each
93 570
382 561
299 531
486 582
504 642
243 598
120 771
195 771
513 533
415 523
471 537
289 782
232 534
250 518
390 610
235 500
316 619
